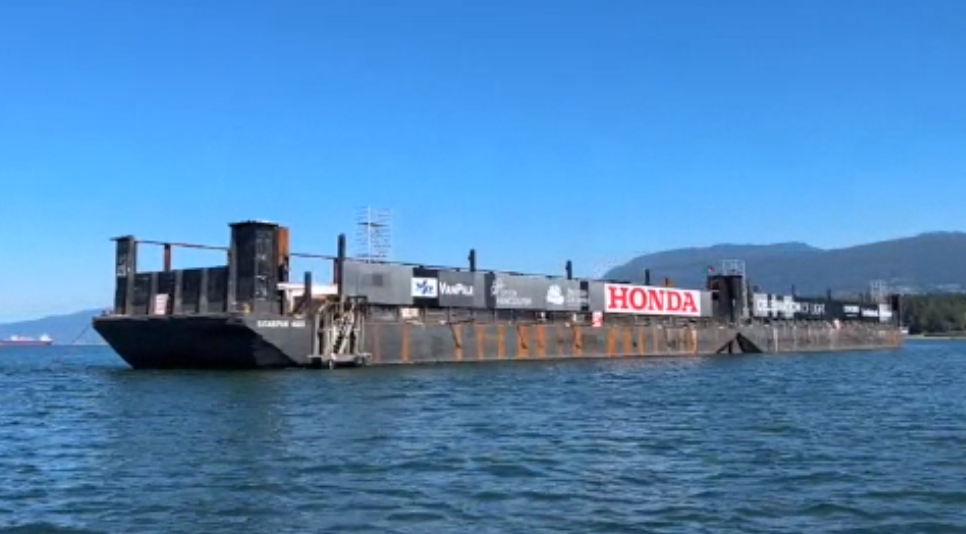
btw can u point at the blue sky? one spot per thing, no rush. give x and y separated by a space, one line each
535 131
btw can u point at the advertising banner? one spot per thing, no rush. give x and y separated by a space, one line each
812 308
835 310
564 295
461 289
379 283
597 296
851 311
650 300
860 311
771 306
885 313
424 287
869 312
534 293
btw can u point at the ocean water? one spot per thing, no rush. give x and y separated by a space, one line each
851 442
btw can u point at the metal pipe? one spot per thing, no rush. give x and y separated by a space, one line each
181 245
315 256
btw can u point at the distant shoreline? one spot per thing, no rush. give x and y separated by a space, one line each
954 336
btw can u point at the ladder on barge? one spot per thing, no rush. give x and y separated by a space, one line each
338 332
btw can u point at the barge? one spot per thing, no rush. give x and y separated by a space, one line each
248 313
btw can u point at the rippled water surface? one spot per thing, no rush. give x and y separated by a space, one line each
861 442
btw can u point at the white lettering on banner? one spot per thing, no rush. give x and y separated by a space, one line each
851 309
279 323
765 305
569 297
508 297
425 288
646 300
460 290
870 312
813 308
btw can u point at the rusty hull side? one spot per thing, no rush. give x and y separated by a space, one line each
413 343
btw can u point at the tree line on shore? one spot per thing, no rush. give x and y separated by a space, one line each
934 314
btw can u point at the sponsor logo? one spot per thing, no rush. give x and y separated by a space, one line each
460 290
425 287
851 309
647 300
279 323
555 295
508 297
870 312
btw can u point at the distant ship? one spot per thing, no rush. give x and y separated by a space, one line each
26 341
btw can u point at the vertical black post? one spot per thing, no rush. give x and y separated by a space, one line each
732 302
125 267
569 267
310 312
203 292
232 290
647 277
152 293
340 268
282 240
472 259
167 257
307 295
176 307
794 294
255 257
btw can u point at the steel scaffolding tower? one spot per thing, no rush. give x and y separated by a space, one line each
373 239
879 291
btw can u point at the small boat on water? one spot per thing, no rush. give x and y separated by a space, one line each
26 341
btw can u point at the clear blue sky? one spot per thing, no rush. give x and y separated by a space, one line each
534 130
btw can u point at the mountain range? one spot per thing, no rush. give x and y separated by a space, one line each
931 262
926 263
64 329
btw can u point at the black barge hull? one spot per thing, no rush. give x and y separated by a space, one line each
202 342
228 342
